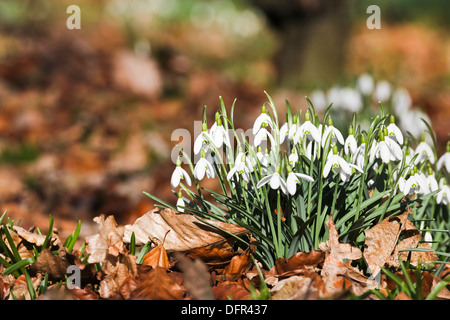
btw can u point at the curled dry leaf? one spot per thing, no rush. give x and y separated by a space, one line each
107 242
157 257
116 271
214 258
20 287
186 231
300 260
334 270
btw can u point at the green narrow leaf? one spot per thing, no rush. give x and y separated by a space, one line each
133 244
145 249
74 237
49 233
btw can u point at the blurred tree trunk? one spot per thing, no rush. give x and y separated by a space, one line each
313 35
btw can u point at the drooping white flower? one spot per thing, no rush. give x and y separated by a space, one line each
334 133
319 100
202 168
178 174
394 132
263 135
263 158
350 144
365 84
293 157
424 152
428 237
444 160
219 135
382 91
180 202
275 181
241 169
401 101
203 140
351 99
339 165
415 184
307 129
386 149
443 196
359 155
293 178
263 118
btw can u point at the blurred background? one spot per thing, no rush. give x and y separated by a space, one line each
86 116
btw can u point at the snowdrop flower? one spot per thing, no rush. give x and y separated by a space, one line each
275 181
307 129
293 179
359 154
240 169
394 131
382 91
335 134
178 174
319 100
351 99
424 152
350 145
401 101
443 196
415 184
339 165
428 237
444 160
263 135
293 157
430 181
288 130
386 149
263 118
203 167
203 139
365 84
180 202
218 134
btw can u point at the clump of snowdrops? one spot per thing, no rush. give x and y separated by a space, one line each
287 176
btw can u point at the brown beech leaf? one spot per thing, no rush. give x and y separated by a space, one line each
214 258
239 264
300 260
55 265
20 287
158 285
334 270
107 242
157 257
186 231
5 285
411 238
298 287
381 240
231 290
196 277
116 271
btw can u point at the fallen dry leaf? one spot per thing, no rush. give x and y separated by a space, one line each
411 238
186 231
196 278
298 287
20 287
157 257
116 271
334 270
107 242
231 290
158 285
381 240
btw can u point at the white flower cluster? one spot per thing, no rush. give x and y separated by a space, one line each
260 161
366 91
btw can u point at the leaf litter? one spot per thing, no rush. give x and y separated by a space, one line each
188 259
